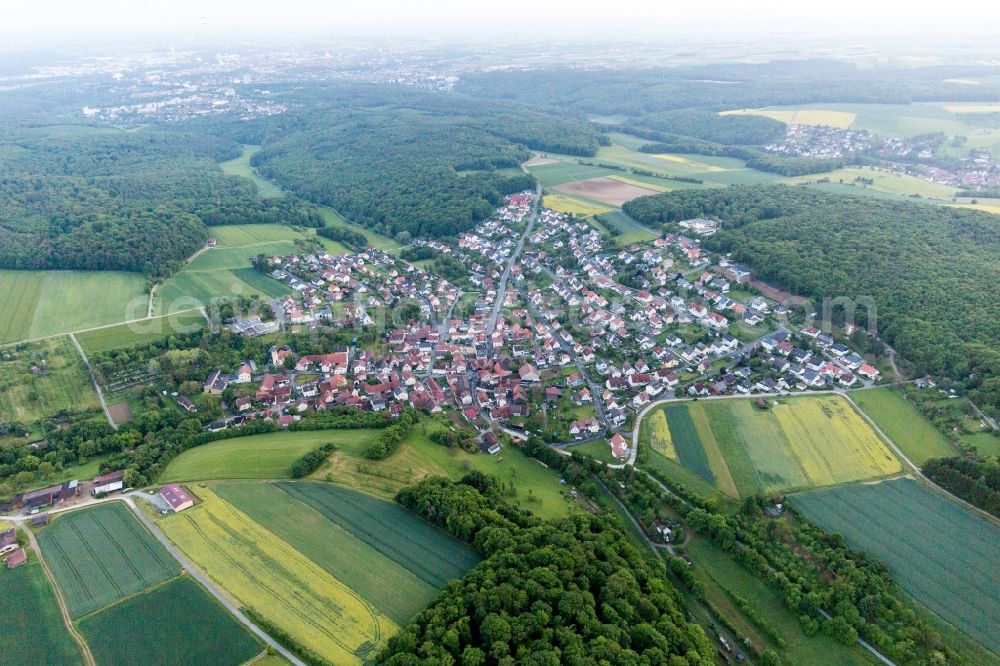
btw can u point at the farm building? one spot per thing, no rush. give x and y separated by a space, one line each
16 558
8 541
108 483
47 496
176 497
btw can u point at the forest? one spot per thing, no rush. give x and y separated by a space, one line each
710 126
931 271
78 197
973 478
573 591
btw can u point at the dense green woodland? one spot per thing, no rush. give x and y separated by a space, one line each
710 126
77 197
973 478
932 271
573 591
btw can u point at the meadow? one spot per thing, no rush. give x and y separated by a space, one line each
628 230
189 289
378 578
528 483
884 181
141 332
31 628
559 172
279 583
101 555
376 240
804 442
240 166
937 550
177 623
903 423
41 303
267 456
803 116
59 380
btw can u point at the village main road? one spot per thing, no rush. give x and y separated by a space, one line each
502 287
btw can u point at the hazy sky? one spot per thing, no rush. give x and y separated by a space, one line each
47 21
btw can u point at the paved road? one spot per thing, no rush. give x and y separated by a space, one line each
100 393
195 573
502 287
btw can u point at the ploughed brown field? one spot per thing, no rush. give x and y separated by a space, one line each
605 190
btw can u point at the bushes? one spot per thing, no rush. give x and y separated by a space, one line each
385 444
312 461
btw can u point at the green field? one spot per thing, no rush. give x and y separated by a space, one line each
598 449
903 423
375 239
720 574
194 289
629 231
427 552
937 550
174 623
530 485
40 303
240 166
804 442
140 332
884 181
101 555
59 380
377 577
31 628
267 456
550 175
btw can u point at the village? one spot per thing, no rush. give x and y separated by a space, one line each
556 333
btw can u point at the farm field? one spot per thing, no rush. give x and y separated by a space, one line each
953 572
59 382
629 231
534 487
177 623
240 166
805 442
375 239
559 172
803 116
903 423
101 555
197 288
31 628
427 552
140 332
722 577
266 456
605 190
378 578
885 181
578 207
40 303
277 582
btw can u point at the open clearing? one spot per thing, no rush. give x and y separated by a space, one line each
805 442
903 423
31 627
604 190
841 119
40 379
278 582
885 181
176 623
381 580
101 555
539 161
140 332
626 230
240 166
40 303
937 550
565 204
530 485
267 456
198 288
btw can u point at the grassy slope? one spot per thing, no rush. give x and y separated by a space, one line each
903 424
267 456
240 166
176 623
139 333
65 384
31 628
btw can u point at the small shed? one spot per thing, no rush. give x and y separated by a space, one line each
16 558
178 498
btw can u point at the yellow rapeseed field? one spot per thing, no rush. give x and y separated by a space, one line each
280 584
841 119
563 204
659 434
701 166
832 443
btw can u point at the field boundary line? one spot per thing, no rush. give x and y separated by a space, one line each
93 379
88 656
52 336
